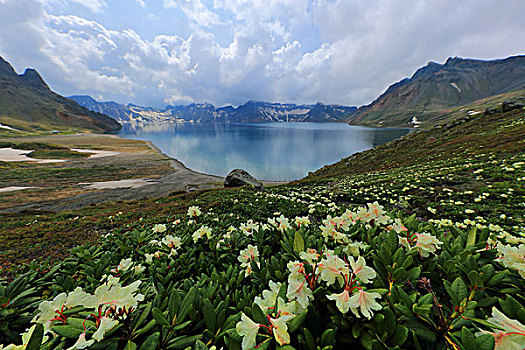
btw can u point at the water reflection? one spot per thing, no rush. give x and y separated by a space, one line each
270 151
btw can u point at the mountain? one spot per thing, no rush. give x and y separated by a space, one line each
250 112
27 103
436 88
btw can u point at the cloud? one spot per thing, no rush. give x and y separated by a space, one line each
196 12
230 51
93 5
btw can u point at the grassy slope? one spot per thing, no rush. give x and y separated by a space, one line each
434 115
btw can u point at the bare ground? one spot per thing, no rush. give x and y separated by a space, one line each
62 186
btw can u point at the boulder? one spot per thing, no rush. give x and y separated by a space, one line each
507 106
239 177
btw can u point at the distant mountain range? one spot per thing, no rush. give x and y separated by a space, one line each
250 112
27 103
436 88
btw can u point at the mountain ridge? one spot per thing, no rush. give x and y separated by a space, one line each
435 87
250 112
28 104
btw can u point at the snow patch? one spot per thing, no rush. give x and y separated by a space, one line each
15 188
7 127
456 86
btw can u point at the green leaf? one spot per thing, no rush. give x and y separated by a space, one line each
486 323
258 315
400 335
142 317
328 337
310 342
184 342
199 345
298 243
159 317
130 345
209 315
151 342
459 289
67 331
36 338
471 238
485 342
297 321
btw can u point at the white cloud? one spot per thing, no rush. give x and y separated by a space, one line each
196 12
93 5
335 51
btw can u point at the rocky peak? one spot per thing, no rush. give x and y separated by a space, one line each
429 69
6 69
34 79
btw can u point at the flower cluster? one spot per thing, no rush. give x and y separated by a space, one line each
246 257
512 257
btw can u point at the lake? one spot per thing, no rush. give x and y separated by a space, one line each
268 151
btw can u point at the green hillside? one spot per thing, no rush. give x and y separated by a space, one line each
28 105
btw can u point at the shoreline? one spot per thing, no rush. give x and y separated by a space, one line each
138 161
181 164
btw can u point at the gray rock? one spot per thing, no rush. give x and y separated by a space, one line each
507 106
239 177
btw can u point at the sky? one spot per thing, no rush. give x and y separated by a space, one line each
158 52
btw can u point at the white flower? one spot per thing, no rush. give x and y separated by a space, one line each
365 302
310 255
298 290
204 230
247 329
332 267
513 335
342 301
269 296
280 328
426 244
172 242
105 325
159 228
363 272
82 343
194 211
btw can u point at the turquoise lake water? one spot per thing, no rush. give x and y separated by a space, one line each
268 151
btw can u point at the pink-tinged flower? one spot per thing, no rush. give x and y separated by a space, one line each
426 244
194 211
513 335
342 301
82 343
302 221
203 231
397 226
298 290
295 268
159 228
105 325
269 296
512 257
311 255
363 272
280 328
247 329
332 267
365 302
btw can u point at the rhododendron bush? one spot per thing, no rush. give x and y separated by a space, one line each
326 277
